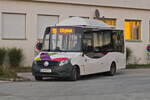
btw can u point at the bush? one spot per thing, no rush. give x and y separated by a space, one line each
128 53
15 57
6 72
1 70
2 55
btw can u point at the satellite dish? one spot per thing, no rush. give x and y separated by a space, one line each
97 14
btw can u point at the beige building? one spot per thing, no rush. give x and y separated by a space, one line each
22 22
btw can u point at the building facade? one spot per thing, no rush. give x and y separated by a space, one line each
22 22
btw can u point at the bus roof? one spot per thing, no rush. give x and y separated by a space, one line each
85 23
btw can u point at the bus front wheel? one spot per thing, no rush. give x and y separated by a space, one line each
112 71
38 78
75 74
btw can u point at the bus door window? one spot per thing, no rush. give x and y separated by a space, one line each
102 43
87 42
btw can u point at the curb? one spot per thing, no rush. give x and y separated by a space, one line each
3 80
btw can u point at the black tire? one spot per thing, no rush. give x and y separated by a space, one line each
112 71
75 74
38 78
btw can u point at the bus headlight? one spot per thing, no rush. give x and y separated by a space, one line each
64 62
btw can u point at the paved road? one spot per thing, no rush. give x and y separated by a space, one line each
127 85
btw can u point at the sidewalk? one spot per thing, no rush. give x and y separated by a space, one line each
4 81
21 77
26 75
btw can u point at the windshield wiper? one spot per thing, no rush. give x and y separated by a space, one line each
46 50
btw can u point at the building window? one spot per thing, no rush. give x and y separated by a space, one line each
132 29
45 21
13 26
80 16
109 21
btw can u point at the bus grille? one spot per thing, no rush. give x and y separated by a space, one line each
51 63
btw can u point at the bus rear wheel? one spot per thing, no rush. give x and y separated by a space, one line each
112 71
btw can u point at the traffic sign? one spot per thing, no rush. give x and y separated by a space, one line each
148 48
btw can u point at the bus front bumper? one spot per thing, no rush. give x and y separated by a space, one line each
55 71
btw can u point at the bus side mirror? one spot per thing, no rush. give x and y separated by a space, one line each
39 46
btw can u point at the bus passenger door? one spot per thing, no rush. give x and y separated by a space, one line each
87 46
93 61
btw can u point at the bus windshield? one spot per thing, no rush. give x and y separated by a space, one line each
63 42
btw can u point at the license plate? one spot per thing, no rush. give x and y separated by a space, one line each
46 70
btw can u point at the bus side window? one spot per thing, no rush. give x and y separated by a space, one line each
102 41
118 41
121 41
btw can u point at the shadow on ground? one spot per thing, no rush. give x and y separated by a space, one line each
86 77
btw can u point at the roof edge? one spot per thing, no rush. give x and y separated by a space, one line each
98 4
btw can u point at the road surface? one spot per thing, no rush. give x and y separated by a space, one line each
127 85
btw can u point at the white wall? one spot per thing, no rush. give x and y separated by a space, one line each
33 9
140 4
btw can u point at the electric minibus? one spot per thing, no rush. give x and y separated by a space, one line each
77 47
